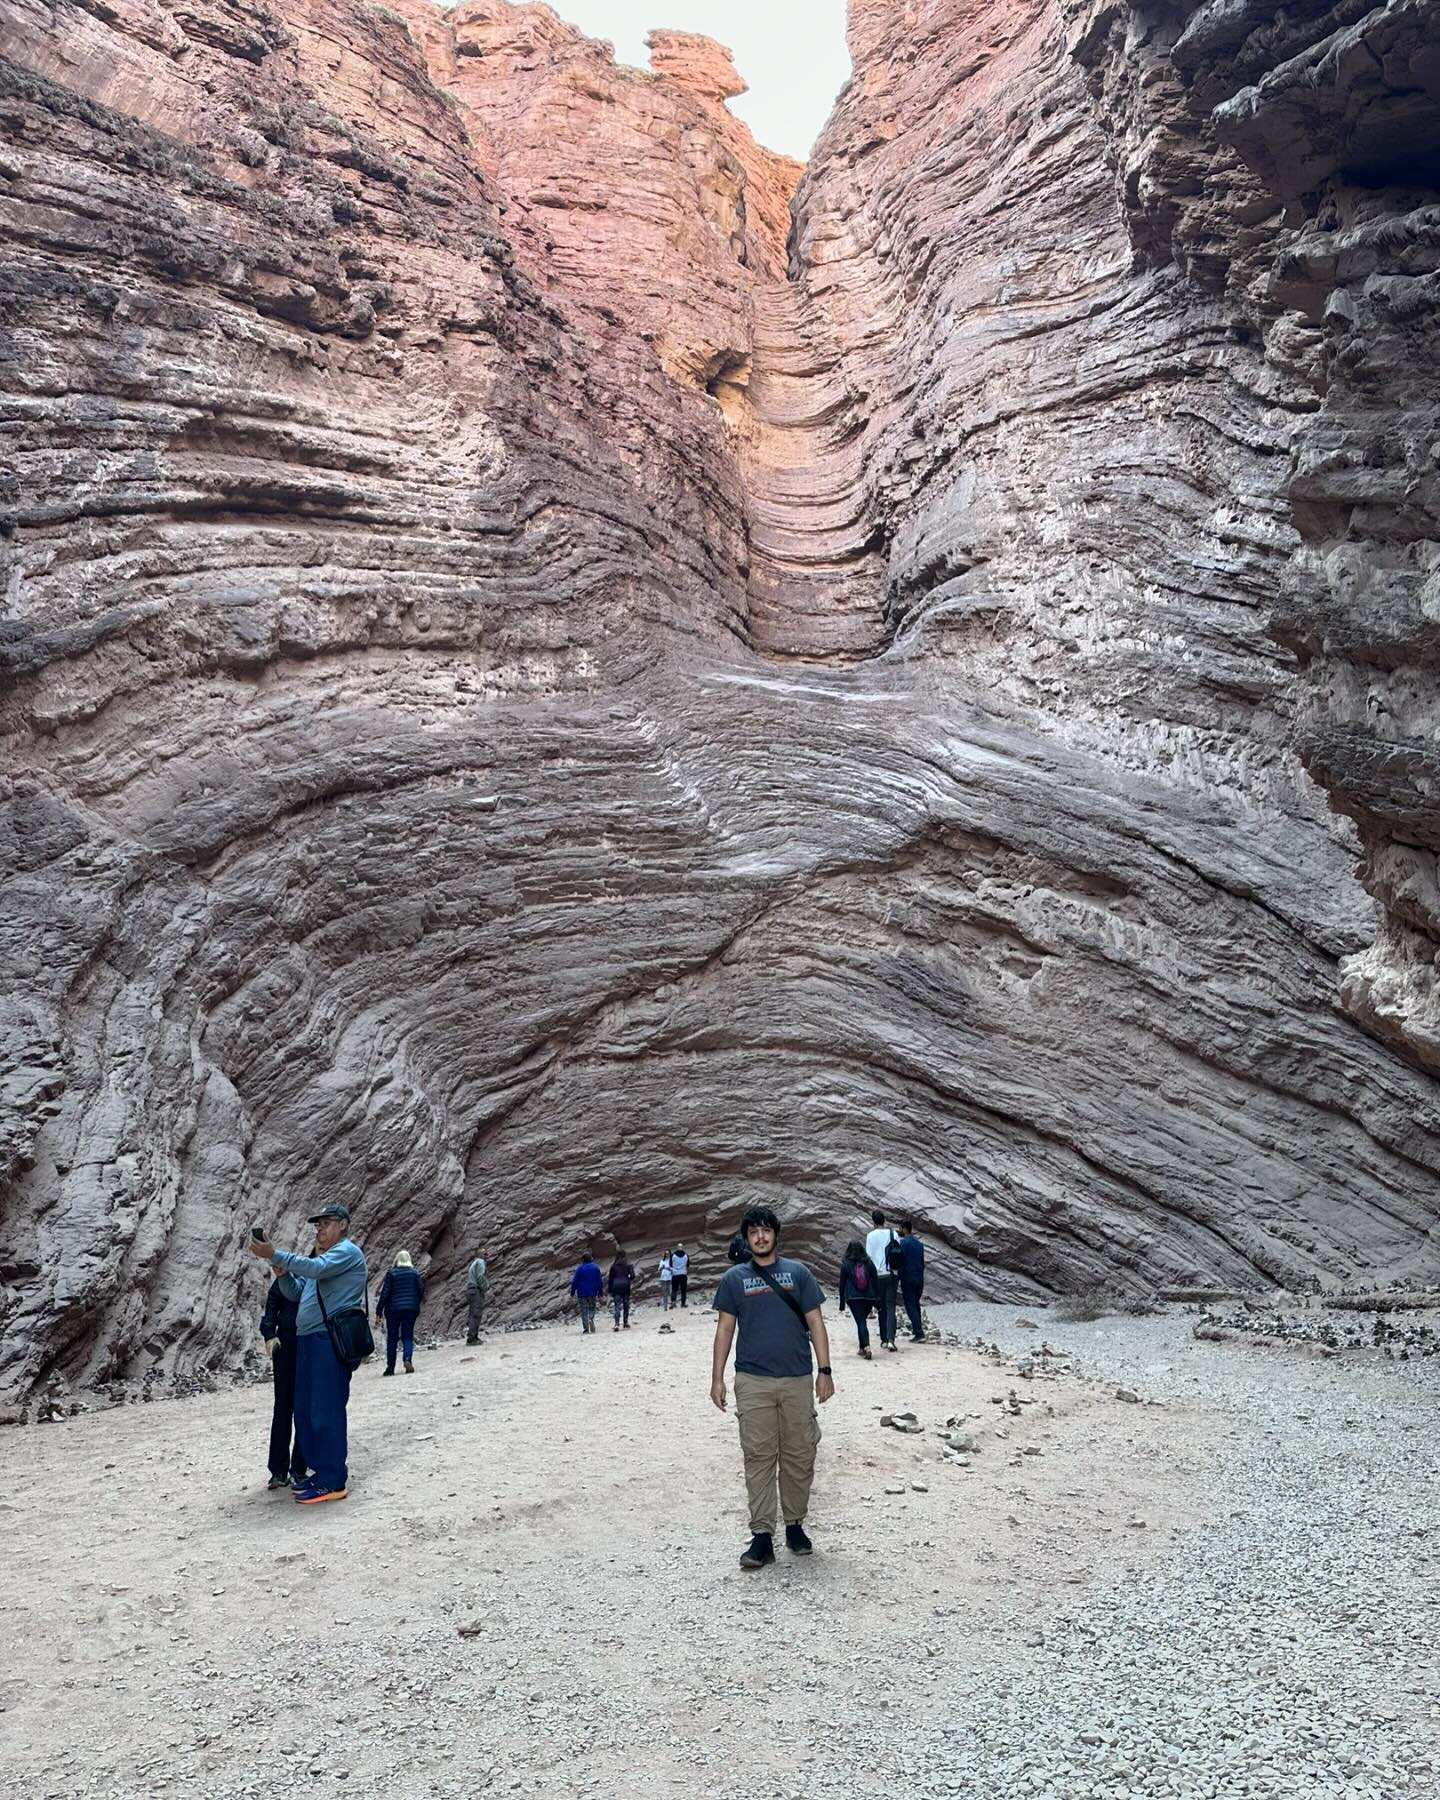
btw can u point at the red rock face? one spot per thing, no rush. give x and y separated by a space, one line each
1291 163
559 676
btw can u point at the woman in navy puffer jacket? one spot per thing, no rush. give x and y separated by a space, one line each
401 1293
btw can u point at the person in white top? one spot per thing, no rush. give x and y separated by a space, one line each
666 1276
877 1245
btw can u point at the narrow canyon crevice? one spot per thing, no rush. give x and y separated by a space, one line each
561 671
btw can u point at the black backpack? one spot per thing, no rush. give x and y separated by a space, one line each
894 1256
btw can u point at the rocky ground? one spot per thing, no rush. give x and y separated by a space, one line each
1219 1586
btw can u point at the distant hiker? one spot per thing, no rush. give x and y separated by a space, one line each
912 1278
477 1286
774 1304
739 1250
401 1295
679 1276
587 1284
332 1282
277 1327
883 1248
665 1282
859 1284
618 1284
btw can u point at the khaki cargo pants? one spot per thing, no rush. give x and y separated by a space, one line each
779 1432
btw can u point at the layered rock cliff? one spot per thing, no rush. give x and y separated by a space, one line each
545 695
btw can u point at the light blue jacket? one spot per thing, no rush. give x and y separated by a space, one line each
340 1271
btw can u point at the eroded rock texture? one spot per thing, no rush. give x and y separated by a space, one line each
545 696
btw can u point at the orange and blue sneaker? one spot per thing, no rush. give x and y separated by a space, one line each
317 1496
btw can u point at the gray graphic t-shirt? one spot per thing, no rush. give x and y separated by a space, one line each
770 1340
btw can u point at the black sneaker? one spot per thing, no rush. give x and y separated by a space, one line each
277 1481
761 1551
796 1540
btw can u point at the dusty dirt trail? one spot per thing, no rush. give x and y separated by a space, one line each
573 1506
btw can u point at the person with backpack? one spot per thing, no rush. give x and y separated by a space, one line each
398 1306
739 1250
769 1308
912 1278
587 1284
679 1276
858 1282
618 1283
477 1288
883 1248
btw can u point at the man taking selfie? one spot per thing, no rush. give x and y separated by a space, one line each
773 1304
333 1281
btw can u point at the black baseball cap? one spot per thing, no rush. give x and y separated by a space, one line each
333 1211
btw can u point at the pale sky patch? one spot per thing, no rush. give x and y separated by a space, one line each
792 53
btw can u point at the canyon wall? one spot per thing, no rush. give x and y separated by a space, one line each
560 675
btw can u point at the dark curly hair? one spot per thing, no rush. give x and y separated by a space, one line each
759 1215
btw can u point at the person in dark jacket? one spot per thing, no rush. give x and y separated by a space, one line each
277 1327
587 1284
618 1284
859 1290
739 1250
332 1282
912 1278
401 1294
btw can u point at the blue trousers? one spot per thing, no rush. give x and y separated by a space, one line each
399 1329
860 1312
322 1392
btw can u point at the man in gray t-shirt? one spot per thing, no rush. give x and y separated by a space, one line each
773 1305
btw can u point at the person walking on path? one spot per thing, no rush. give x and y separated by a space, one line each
477 1286
666 1279
277 1326
333 1275
772 1304
587 1284
618 1284
402 1293
679 1276
858 1284
882 1247
912 1278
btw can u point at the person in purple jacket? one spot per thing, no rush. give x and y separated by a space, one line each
619 1282
587 1284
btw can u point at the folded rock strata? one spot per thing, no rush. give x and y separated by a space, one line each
545 696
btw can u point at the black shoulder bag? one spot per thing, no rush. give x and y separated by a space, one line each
784 1293
349 1333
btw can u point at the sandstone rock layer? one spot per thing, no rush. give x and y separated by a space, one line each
561 673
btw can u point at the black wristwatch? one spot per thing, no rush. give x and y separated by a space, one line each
824 1369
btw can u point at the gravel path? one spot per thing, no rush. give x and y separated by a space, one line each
533 1586
1287 1646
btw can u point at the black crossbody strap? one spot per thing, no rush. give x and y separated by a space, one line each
784 1293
